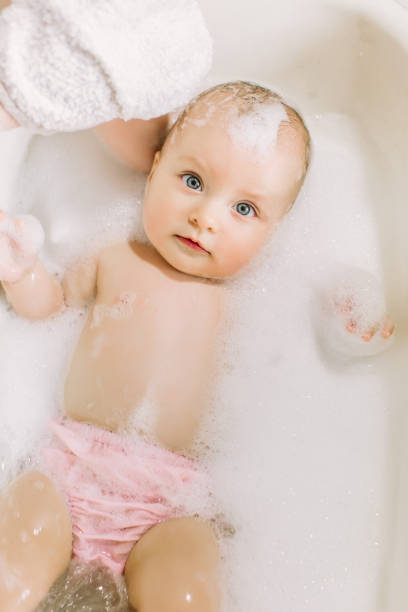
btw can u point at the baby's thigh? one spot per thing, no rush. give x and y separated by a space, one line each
35 541
175 567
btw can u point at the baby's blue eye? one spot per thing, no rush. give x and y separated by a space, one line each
192 181
244 209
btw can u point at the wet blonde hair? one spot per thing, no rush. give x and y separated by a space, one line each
244 97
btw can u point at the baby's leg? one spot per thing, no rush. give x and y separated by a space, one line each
174 567
35 541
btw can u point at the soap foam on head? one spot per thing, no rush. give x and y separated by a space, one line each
250 114
257 130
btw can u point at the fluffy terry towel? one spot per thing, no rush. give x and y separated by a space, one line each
71 64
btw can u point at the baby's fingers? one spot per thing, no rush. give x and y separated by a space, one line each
367 335
29 234
21 239
351 327
388 327
6 223
387 330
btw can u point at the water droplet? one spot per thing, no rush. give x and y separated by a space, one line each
24 537
25 594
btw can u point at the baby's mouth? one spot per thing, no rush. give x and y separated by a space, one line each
193 244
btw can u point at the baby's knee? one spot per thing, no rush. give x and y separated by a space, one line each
33 501
35 540
175 567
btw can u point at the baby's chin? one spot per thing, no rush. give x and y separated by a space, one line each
207 273
190 268
205 268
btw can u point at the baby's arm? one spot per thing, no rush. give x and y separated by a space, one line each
36 295
30 289
79 284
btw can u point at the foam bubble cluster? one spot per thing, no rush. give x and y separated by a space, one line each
257 130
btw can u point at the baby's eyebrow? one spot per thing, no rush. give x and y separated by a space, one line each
190 159
253 195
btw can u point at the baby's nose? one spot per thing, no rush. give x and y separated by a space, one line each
204 218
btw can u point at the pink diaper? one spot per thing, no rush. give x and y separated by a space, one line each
116 488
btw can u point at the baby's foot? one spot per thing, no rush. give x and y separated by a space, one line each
21 239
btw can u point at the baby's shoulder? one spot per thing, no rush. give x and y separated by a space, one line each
114 253
117 259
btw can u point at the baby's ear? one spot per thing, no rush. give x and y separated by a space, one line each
154 165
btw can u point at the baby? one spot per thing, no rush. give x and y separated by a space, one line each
229 170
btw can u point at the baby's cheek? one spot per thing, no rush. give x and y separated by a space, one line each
152 221
236 255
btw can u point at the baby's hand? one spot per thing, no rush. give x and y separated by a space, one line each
21 239
383 327
352 319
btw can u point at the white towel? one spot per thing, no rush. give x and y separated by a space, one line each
67 65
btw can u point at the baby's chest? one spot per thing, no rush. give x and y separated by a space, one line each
145 311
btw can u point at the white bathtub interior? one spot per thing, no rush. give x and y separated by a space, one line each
310 461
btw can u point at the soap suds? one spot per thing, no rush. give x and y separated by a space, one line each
121 309
257 130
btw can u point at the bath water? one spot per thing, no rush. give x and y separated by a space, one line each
296 475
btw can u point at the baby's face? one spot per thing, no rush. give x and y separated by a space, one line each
210 204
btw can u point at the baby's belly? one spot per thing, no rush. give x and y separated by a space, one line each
109 376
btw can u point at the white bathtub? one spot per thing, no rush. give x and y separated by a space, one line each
336 536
